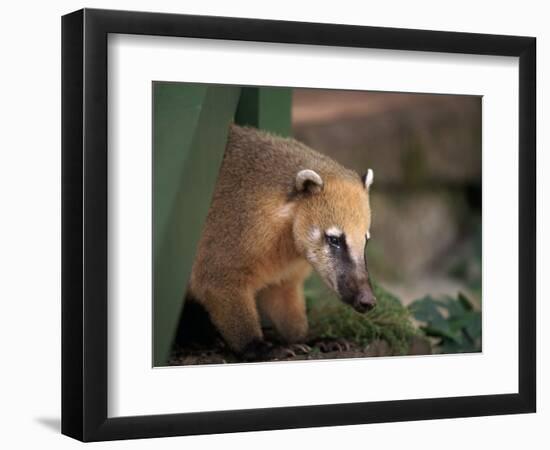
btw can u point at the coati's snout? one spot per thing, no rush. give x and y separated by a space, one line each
353 285
346 264
332 231
361 297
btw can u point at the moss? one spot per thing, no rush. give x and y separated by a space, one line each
389 321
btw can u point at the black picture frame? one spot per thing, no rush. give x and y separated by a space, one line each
84 224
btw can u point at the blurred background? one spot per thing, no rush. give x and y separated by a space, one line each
425 150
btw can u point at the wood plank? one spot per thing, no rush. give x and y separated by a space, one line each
190 133
267 108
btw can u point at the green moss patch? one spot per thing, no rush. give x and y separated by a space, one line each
389 321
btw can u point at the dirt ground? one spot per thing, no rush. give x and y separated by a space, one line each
313 350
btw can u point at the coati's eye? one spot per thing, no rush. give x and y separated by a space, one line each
334 241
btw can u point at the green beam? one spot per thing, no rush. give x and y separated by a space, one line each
190 133
266 108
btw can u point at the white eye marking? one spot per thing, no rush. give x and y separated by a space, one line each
368 235
369 178
334 231
314 234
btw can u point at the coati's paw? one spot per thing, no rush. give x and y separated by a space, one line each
257 350
289 351
260 350
332 345
300 349
282 352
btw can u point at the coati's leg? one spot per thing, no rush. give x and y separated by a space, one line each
235 315
284 305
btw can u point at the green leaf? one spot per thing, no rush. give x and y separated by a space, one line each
466 304
453 321
427 310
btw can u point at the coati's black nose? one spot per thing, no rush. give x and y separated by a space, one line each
366 301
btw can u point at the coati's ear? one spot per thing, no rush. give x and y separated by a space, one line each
308 181
368 178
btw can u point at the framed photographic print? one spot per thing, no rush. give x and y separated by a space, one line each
273 224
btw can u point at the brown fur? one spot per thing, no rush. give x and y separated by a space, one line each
256 247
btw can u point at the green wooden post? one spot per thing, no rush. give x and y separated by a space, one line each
190 133
266 108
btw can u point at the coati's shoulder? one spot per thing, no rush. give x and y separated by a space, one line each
274 161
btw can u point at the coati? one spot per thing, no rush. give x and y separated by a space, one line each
278 209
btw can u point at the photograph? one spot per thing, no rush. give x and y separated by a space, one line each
295 224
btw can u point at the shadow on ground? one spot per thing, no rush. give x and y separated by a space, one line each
52 423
